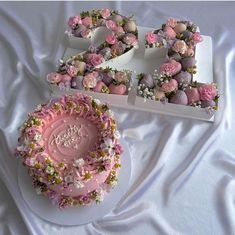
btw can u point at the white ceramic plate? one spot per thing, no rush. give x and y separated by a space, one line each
43 207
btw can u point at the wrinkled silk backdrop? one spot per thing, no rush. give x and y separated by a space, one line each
183 170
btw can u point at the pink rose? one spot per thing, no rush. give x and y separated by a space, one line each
74 20
30 161
169 86
180 46
41 157
86 33
120 76
169 32
90 80
196 38
105 13
87 21
54 78
171 22
111 25
72 71
111 39
207 92
130 39
150 37
31 132
95 59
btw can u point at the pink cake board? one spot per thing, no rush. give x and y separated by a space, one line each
42 206
140 63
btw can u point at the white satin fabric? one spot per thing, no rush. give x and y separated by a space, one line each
183 170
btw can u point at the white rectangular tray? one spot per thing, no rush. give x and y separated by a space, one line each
140 64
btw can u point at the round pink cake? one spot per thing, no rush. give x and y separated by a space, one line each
70 147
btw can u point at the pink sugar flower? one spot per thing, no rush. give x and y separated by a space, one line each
87 21
74 20
30 161
171 22
118 149
85 199
151 37
105 13
107 164
169 32
207 92
111 39
196 38
111 25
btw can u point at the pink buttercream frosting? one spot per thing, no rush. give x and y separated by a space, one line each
70 146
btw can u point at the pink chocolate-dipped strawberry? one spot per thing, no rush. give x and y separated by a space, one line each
192 94
100 87
117 89
179 98
170 86
172 67
65 78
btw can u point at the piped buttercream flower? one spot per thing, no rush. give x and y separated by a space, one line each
78 184
108 146
30 161
79 162
50 170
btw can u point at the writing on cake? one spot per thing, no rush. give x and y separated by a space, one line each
66 138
